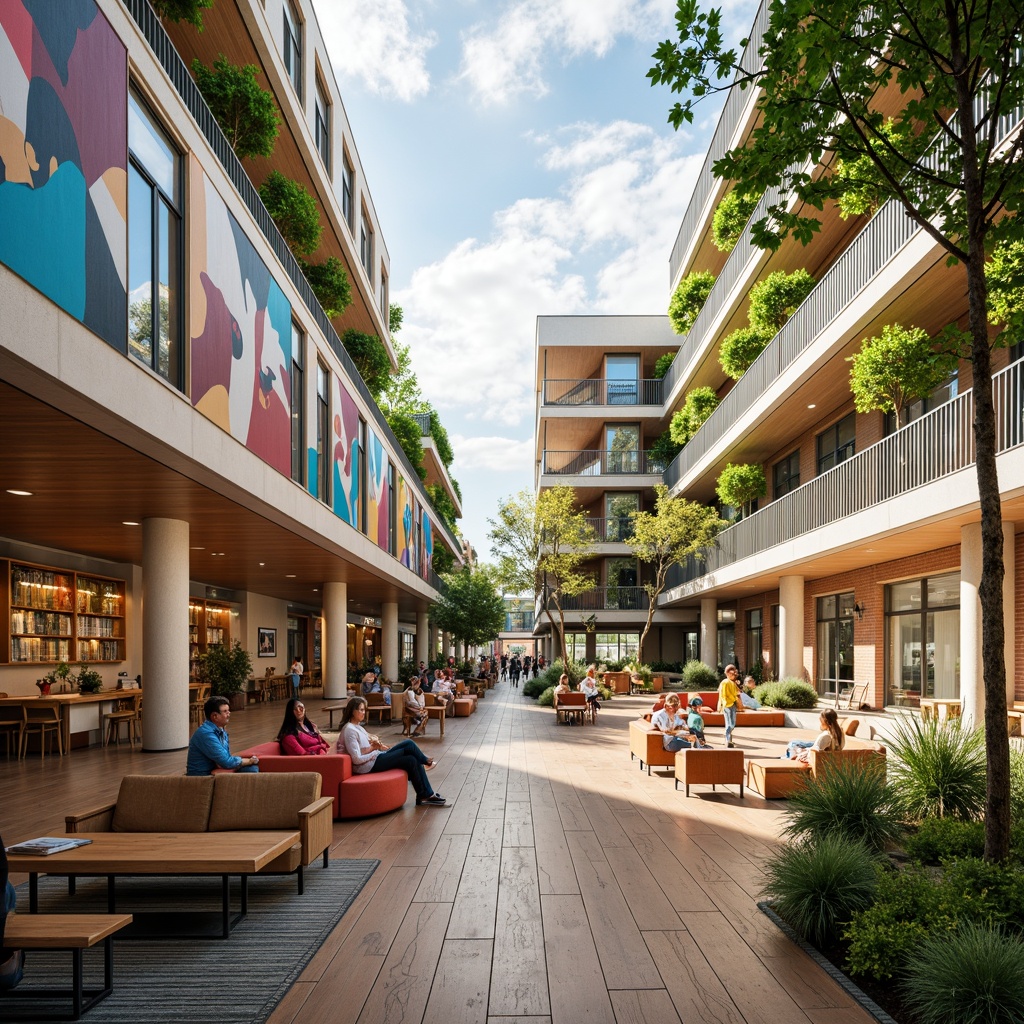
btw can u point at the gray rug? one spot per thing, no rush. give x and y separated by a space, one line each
239 980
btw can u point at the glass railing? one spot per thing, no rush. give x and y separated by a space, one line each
600 463
937 445
601 391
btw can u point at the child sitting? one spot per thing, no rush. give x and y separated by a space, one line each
696 724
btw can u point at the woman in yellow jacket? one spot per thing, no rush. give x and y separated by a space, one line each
729 701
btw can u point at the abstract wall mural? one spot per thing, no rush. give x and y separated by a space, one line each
428 547
377 513
241 331
346 458
64 158
406 536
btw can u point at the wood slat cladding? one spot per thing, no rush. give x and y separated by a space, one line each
85 484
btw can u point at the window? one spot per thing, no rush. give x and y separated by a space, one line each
293 46
726 636
622 447
392 511
619 509
836 444
154 246
923 639
755 639
298 408
916 409
776 665
360 510
691 644
622 379
323 433
323 126
384 311
623 588
786 475
835 642
609 646
347 189
366 245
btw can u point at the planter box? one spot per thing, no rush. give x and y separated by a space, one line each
617 682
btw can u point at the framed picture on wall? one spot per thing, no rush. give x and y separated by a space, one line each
267 642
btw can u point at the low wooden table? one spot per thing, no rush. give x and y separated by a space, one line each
330 709
932 707
162 853
438 712
72 932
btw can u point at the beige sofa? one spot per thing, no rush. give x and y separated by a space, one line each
222 803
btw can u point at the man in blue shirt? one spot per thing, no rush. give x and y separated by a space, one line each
210 748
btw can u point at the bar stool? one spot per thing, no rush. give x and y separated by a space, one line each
12 725
43 719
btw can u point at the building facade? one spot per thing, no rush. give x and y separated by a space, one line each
190 455
863 561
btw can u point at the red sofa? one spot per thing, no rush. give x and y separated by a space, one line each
355 796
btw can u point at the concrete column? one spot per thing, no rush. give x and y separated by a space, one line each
432 641
335 641
709 632
165 633
446 645
591 648
791 627
972 685
422 636
389 640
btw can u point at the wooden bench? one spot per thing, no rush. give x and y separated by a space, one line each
775 778
71 932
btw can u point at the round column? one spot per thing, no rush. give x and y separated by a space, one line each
389 640
335 641
422 636
165 633
791 627
709 632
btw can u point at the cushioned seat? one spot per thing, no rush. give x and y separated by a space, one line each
709 768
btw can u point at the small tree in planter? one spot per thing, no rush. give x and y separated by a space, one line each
246 113
662 364
700 403
330 285
741 484
688 299
731 217
227 668
371 359
190 11
294 211
741 348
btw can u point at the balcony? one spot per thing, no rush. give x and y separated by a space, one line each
602 392
616 530
633 599
935 446
600 463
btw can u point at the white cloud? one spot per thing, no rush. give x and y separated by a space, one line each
600 245
373 40
502 454
505 59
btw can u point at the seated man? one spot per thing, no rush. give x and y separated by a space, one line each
210 747
371 684
670 722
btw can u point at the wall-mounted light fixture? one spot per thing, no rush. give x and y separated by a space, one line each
859 609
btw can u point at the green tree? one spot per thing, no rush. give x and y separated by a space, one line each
731 216
294 211
898 366
662 364
664 449
542 543
401 392
409 436
698 405
863 189
1005 276
739 350
741 484
688 299
443 505
190 11
775 299
470 606
330 285
395 318
955 75
371 359
665 537
246 113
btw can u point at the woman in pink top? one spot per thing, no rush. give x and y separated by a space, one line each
298 735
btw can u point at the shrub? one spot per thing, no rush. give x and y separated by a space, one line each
604 692
664 449
740 484
667 666
441 440
547 698
190 11
787 694
407 434
330 285
246 113
1016 783
698 676
661 366
688 299
535 687
938 769
817 887
730 218
699 404
739 350
939 839
849 801
974 976
373 364
294 211
775 299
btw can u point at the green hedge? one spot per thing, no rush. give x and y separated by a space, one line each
698 676
789 694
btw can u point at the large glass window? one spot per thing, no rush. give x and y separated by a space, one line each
923 634
622 579
323 125
298 407
323 433
726 637
366 245
608 646
347 189
384 309
837 444
293 46
622 375
755 639
622 445
154 246
619 509
835 641
786 475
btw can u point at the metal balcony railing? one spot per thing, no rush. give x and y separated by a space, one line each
936 445
612 529
601 391
422 420
600 463
607 598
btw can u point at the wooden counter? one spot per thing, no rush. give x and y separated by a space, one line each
66 702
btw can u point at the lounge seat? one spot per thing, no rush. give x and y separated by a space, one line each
646 743
775 778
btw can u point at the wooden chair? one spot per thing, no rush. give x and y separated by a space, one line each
127 712
44 719
12 725
571 708
375 706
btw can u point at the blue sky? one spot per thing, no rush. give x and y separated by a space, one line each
520 164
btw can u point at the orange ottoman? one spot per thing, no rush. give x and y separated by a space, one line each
775 778
464 706
709 768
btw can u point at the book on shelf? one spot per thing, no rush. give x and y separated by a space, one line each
46 845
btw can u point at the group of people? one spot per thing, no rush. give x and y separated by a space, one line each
516 668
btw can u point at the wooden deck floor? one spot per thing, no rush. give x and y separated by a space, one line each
560 884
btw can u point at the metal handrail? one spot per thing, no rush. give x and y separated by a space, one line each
600 462
610 597
612 529
603 391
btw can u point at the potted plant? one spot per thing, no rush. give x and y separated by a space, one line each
89 680
227 668
59 676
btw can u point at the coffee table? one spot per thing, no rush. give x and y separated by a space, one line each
111 854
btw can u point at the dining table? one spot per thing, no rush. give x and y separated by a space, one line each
67 703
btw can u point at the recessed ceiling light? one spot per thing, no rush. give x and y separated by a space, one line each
20 494
198 549
316 590
128 522
289 575
812 406
263 563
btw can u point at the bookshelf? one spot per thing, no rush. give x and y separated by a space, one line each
209 625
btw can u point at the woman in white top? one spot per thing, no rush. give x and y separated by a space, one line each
414 709
370 755
831 737
588 687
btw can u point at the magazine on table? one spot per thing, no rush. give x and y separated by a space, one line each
46 845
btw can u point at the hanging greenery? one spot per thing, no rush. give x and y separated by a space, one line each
741 348
330 285
440 436
408 434
190 11
372 362
688 299
731 218
699 404
246 113
294 211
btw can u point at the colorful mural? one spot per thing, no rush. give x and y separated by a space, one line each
407 553
346 458
428 547
240 355
377 513
64 159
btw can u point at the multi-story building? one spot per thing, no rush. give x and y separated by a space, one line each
862 564
189 454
